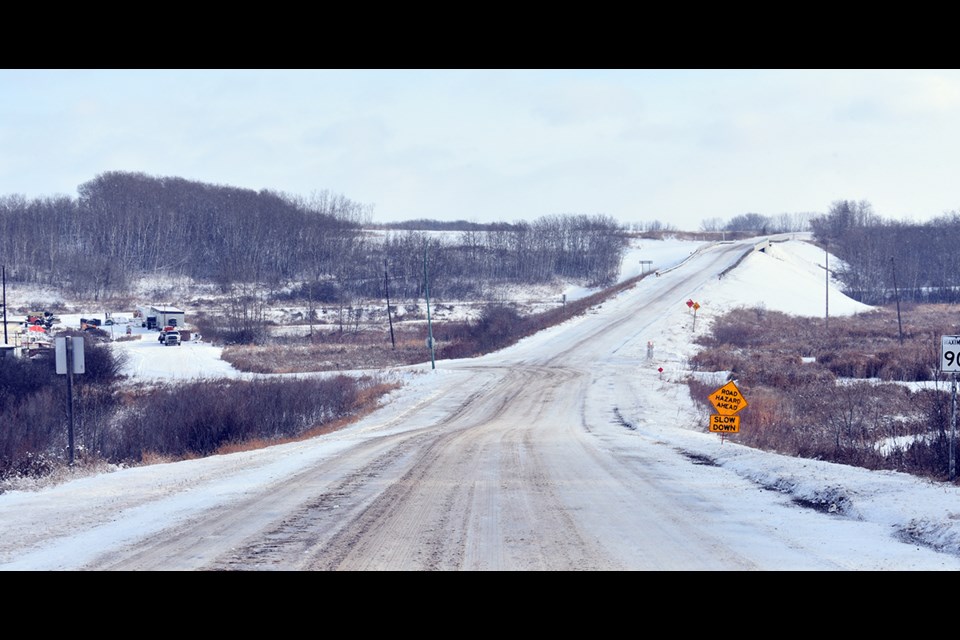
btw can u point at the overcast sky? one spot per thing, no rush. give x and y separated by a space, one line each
501 145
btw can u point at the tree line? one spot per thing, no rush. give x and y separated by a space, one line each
884 261
757 223
124 226
579 247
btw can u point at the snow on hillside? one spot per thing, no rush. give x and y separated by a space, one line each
789 277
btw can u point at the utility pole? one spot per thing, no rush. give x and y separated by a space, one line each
826 259
4 269
426 284
310 309
386 287
896 294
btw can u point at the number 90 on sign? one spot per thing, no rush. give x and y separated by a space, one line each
950 354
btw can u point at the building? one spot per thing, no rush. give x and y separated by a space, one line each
14 331
154 317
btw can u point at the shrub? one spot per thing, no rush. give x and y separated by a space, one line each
320 292
200 418
34 435
32 408
497 325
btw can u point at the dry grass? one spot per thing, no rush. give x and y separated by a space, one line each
150 458
844 403
363 350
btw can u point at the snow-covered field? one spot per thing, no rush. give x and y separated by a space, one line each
788 278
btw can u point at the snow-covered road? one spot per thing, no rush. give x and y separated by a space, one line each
570 450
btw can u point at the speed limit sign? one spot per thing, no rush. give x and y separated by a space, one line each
950 354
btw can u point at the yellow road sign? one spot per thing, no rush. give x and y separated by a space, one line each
724 424
728 400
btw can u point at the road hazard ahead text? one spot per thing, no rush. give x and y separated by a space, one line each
728 400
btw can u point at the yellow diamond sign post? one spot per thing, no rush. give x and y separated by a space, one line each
727 400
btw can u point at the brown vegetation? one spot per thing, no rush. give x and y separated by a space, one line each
836 393
361 350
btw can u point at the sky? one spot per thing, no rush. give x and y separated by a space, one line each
675 146
65 525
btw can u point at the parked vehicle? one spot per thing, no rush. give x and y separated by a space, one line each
41 318
170 338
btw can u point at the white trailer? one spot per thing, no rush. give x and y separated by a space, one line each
169 317
154 317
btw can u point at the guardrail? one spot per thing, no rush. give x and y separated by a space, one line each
763 245
692 255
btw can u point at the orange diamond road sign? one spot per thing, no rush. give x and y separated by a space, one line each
728 400
724 424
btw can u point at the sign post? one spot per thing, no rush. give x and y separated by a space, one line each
4 304
426 285
953 428
950 363
69 360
